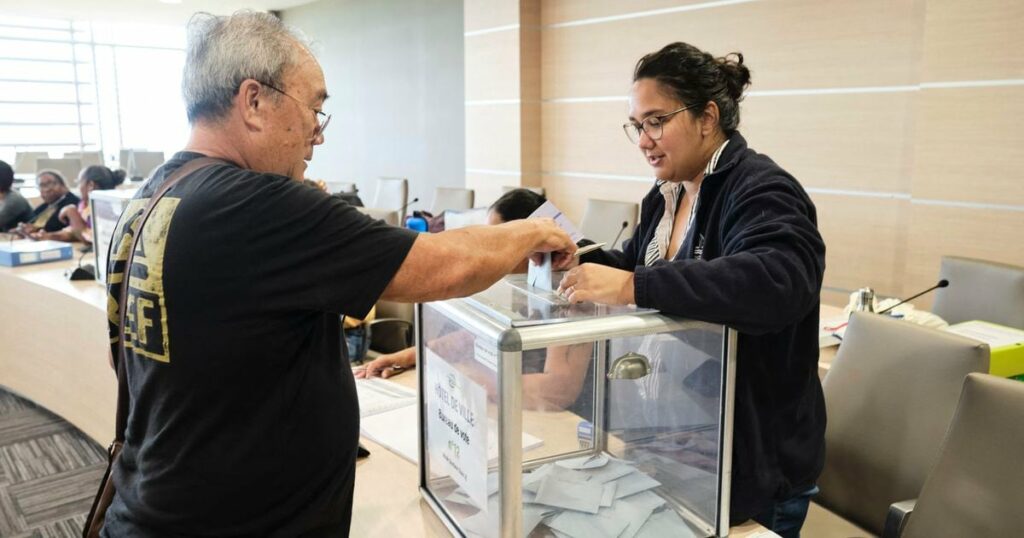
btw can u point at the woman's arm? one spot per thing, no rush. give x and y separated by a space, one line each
558 386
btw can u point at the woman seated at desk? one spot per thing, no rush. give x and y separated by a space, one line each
54 192
553 378
14 208
78 218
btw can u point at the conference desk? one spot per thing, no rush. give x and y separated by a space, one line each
53 351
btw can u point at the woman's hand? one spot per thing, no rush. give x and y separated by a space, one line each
595 283
387 365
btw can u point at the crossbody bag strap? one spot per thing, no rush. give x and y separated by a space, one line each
122 301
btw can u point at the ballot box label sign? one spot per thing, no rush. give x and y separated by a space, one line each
457 427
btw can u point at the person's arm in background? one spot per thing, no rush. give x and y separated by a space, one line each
560 384
384 366
461 262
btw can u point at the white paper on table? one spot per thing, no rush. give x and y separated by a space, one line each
395 430
634 483
579 496
377 396
548 210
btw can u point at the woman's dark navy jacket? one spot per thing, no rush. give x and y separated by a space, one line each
754 262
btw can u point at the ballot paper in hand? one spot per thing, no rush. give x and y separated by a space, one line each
549 211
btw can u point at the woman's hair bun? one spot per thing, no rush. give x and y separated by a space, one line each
737 75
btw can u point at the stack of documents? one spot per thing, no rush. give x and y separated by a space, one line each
593 496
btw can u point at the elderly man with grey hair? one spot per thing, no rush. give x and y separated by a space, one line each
243 412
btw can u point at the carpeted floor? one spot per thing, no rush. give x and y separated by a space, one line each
49 472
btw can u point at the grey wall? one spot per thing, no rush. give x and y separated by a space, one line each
394 69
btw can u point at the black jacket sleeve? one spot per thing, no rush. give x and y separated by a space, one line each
770 271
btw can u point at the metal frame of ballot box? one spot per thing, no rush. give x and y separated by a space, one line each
512 339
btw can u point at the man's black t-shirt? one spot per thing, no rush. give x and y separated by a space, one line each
244 418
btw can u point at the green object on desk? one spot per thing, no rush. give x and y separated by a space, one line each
1006 345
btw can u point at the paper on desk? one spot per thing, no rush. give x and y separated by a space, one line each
377 396
548 210
395 430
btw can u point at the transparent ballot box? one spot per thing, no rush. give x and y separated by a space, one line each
541 418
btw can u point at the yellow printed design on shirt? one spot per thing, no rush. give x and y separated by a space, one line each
146 319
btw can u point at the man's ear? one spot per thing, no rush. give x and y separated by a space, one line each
251 104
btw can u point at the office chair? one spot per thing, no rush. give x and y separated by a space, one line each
980 289
393 194
446 198
88 158
890 395
602 221
25 161
386 215
69 168
977 486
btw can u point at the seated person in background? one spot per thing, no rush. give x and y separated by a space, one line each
55 195
14 208
553 378
77 217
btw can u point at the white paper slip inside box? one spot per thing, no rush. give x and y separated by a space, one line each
26 252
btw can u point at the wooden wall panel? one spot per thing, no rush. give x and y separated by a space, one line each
492 66
975 40
492 137
840 141
938 231
864 241
970 146
588 137
790 44
488 187
562 11
570 194
486 14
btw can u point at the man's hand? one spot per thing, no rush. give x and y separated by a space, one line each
553 239
598 284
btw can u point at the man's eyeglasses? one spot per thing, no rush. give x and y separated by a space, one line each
322 119
652 126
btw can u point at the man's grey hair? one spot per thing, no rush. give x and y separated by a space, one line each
224 51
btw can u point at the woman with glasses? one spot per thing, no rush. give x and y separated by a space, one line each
78 217
727 236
